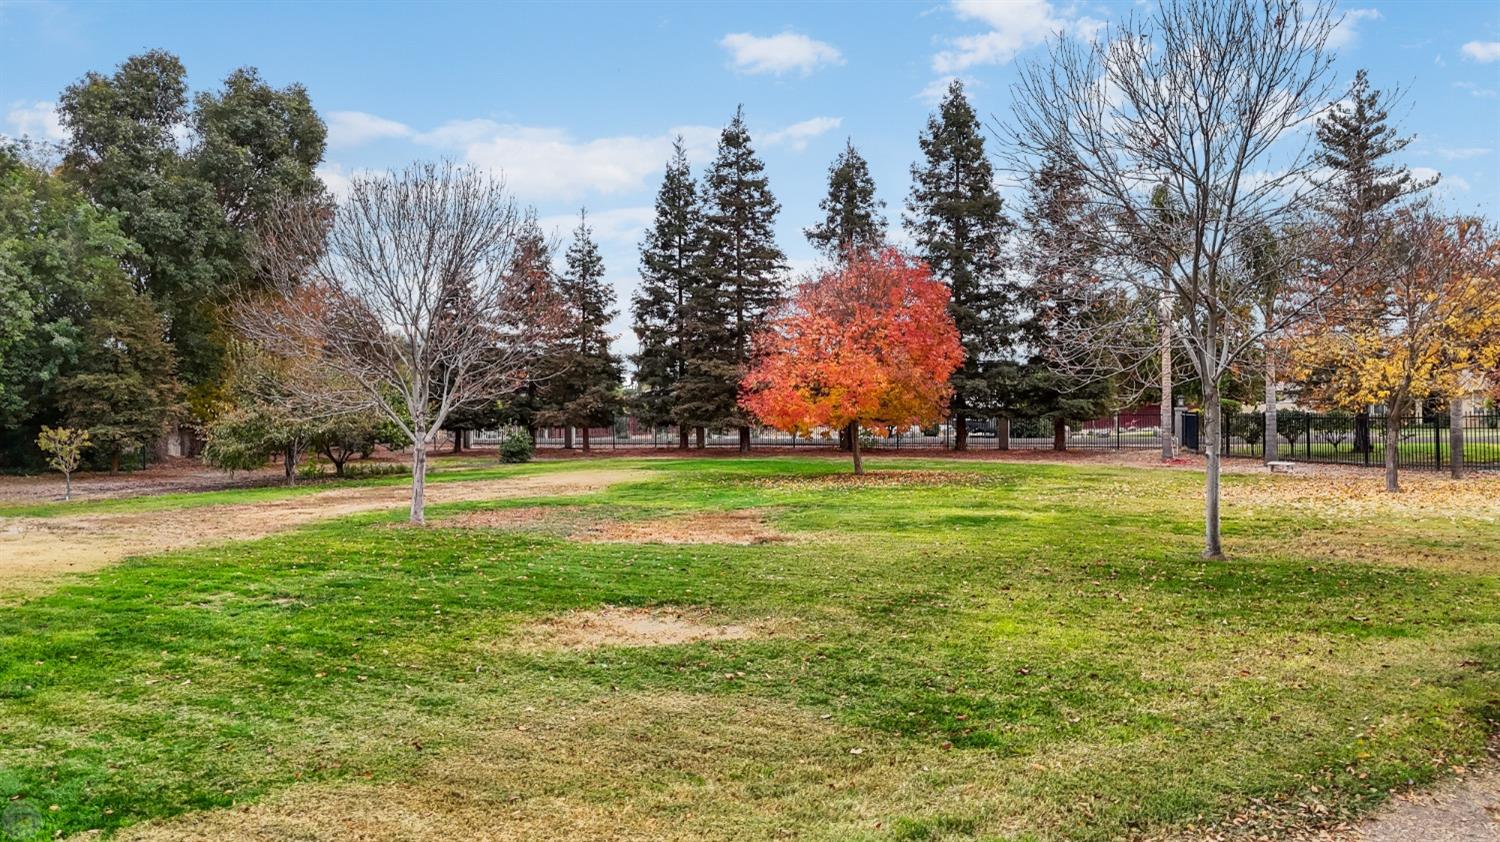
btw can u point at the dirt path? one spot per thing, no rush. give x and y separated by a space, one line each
39 548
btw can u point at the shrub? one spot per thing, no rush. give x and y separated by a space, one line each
516 446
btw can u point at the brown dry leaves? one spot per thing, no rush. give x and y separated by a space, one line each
1364 495
613 626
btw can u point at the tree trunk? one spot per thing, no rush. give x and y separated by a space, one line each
1002 434
531 431
585 438
744 439
844 439
67 485
1271 450
702 435
1168 446
114 462
1456 438
1392 448
1059 434
419 482
682 437
289 464
960 433
1213 545
859 465
568 437
458 441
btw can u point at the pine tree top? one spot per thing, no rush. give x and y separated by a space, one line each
851 213
1354 138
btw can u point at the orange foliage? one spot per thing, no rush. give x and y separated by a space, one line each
869 342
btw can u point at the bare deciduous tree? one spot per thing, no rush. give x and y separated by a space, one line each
1203 105
408 303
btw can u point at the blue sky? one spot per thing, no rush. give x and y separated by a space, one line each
577 103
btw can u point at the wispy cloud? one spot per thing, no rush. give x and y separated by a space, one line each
778 54
1464 153
348 129
36 120
1475 90
797 135
1347 30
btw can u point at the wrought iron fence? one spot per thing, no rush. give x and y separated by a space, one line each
1423 442
1126 430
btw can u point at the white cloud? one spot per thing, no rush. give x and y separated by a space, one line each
1475 90
797 135
1483 52
614 227
1464 153
778 54
1015 25
38 121
356 128
938 88
1347 30
1447 184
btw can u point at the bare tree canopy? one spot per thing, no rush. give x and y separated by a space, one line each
1189 130
408 303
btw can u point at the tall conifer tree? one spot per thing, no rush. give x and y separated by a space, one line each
956 216
585 391
1354 139
742 270
851 213
670 269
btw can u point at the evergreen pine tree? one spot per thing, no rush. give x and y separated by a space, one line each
586 390
532 275
1058 256
851 213
1354 138
956 216
742 271
669 270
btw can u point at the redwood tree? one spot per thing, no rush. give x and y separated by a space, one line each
869 343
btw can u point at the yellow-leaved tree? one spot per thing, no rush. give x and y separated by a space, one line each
1422 322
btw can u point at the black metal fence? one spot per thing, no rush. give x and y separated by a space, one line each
1424 442
1125 430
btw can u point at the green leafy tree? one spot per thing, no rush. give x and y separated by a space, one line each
586 389
956 216
670 270
851 214
56 251
122 387
743 270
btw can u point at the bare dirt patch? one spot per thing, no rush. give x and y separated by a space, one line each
32 548
744 528
613 626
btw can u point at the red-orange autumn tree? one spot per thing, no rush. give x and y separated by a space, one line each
869 343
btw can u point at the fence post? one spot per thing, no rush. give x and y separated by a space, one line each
1437 443
1456 438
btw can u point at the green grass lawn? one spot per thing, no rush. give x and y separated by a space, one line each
1014 651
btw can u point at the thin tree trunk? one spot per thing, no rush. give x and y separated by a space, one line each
744 439
1168 446
1213 546
289 465
859 464
1272 451
702 435
67 485
1392 447
682 437
1059 434
568 437
1456 438
419 482
458 441
585 438
960 433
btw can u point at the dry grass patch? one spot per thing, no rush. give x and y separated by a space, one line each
35 548
882 479
612 626
1363 495
741 528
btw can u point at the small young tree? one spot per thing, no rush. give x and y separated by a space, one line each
64 447
867 344
1204 97
1432 325
408 301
